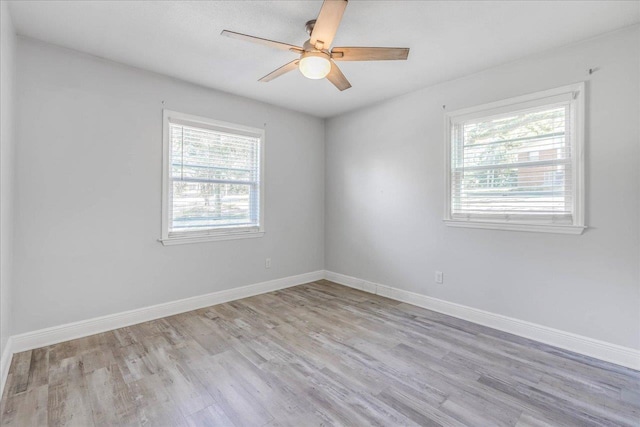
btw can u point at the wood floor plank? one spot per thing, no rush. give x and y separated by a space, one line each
20 367
68 400
182 382
154 404
111 401
211 416
26 409
39 368
316 354
230 395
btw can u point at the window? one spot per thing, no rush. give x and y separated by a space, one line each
518 164
212 180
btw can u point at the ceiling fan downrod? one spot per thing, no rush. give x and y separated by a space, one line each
309 26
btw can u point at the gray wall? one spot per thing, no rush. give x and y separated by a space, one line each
7 143
89 191
385 196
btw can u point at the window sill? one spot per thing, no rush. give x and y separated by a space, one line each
533 228
182 240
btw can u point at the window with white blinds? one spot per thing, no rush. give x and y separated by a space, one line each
212 179
518 164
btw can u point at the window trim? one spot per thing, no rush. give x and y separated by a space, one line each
576 92
221 233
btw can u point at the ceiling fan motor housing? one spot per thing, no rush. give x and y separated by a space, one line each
308 47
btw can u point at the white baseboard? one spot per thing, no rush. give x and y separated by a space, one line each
5 363
83 328
602 350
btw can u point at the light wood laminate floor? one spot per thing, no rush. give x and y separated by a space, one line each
315 354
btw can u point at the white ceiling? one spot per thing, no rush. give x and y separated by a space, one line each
448 39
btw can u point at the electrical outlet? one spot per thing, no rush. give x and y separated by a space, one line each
439 277
267 263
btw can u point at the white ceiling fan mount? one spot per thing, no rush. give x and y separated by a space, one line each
317 58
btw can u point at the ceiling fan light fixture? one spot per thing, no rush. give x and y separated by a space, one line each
317 55
314 65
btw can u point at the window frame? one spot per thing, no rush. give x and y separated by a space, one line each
219 233
576 94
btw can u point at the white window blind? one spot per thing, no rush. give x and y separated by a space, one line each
213 184
516 162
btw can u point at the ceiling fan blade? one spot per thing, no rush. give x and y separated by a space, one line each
338 79
265 42
327 23
280 71
369 53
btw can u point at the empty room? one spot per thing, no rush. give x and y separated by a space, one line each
320 213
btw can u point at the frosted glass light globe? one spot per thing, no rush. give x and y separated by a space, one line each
315 66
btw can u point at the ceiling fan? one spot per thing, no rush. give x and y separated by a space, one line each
316 59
